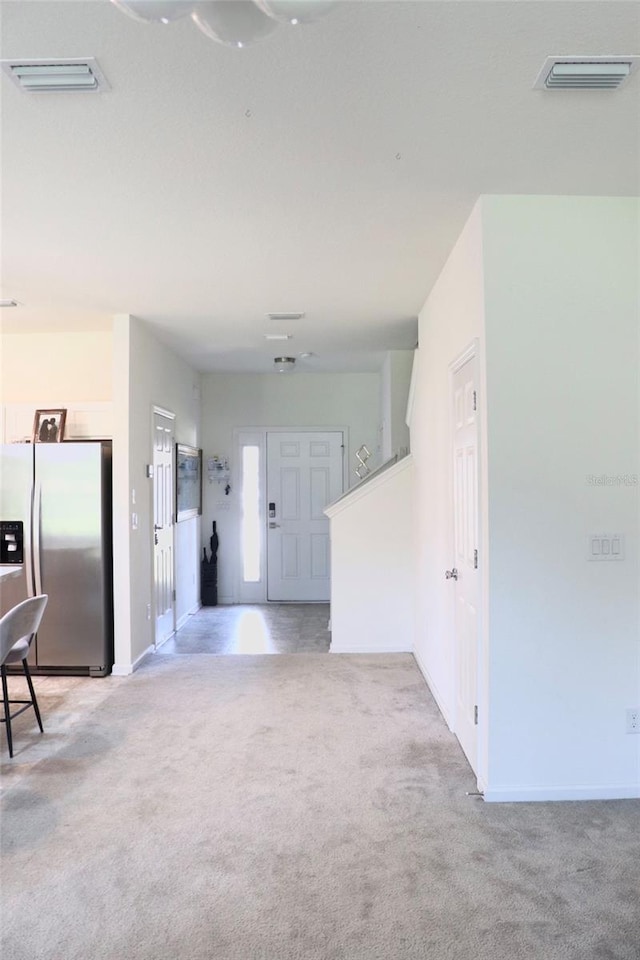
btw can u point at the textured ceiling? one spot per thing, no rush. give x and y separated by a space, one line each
328 169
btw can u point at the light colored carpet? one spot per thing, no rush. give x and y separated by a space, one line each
295 808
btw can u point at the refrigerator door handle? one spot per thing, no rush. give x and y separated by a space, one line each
28 545
37 573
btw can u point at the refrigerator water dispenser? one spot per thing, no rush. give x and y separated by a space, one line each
11 541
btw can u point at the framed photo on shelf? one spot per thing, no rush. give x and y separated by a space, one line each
188 482
48 426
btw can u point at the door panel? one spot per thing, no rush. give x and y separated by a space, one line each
68 517
163 509
304 474
466 587
16 487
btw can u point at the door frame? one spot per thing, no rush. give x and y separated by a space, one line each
471 351
155 409
257 436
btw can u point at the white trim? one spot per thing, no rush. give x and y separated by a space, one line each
364 489
185 616
367 648
163 413
435 693
412 387
467 354
539 794
126 669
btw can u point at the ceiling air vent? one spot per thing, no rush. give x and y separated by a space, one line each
585 73
51 76
285 316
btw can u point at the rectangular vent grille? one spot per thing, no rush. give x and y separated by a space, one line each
594 76
601 73
52 76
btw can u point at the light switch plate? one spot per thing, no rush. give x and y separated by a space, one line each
605 547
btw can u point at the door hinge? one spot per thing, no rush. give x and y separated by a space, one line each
475 400
475 715
173 595
475 559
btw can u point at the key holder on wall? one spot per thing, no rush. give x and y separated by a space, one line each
218 471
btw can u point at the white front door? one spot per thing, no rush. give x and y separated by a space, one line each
304 475
163 511
466 587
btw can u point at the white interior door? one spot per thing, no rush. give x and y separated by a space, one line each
163 510
465 579
304 475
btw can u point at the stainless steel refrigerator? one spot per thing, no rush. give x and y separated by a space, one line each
56 526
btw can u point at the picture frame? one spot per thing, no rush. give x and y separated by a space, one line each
188 482
48 426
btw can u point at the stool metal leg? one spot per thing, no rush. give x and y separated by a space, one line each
27 674
7 709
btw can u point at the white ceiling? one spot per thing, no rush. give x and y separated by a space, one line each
328 169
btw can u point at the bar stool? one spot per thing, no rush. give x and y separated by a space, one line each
17 630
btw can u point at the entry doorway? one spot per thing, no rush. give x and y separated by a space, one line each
304 475
286 479
464 576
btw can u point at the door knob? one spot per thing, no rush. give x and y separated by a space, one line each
272 526
451 574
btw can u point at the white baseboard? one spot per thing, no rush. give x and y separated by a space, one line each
125 669
355 648
539 794
442 707
185 616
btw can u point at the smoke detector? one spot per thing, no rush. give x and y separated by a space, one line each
284 364
585 73
53 76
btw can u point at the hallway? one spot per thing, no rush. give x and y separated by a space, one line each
258 629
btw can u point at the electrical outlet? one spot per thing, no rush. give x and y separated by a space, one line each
148 611
633 720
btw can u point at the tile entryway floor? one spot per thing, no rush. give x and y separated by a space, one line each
261 628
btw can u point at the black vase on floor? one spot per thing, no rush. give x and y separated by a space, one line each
209 573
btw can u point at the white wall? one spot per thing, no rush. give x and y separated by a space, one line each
53 370
147 373
450 320
550 287
395 378
74 367
562 296
231 401
372 564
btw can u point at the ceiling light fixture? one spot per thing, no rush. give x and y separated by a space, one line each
284 364
233 23
8 303
295 11
278 336
154 11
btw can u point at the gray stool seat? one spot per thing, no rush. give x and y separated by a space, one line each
17 629
18 651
